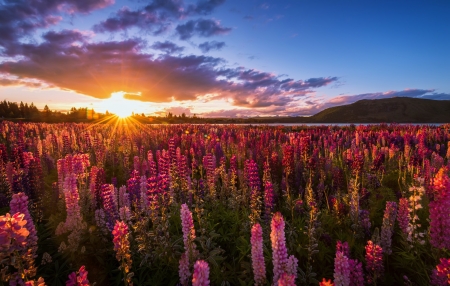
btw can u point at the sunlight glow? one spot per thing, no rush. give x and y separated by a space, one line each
120 106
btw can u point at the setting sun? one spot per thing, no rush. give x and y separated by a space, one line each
121 106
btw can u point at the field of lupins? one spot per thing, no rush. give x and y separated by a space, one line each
124 204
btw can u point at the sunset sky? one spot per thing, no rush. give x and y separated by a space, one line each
223 57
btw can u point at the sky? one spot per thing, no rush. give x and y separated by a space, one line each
222 58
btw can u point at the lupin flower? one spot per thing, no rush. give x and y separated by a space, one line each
374 262
341 270
201 273
122 249
187 224
268 199
325 282
439 211
279 251
254 185
403 215
78 278
356 272
183 269
387 228
343 247
109 205
13 233
39 282
19 204
259 268
441 275
286 280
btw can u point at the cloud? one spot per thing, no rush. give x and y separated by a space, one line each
202 28
230 113
167 47
19 18
213 45
205 7
18 82
155 17
68 60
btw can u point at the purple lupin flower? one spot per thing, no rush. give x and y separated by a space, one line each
403 215
387 228
109 205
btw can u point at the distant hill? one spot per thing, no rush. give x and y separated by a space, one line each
397 109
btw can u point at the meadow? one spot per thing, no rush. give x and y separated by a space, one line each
125 203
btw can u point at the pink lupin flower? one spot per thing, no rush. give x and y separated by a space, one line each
201 273
286 280
441 275
259 268
183 269
279 251
78 278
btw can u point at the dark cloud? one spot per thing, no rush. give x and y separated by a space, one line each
19 18
67 60
213 45
205 7
155 17
202 28
167 47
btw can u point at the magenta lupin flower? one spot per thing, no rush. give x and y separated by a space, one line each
201 273
286 280
268 199
341 269
439 211
78 278
343 247
279 251
441 275
122 248
374 262
259 268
